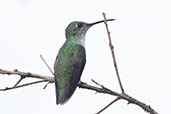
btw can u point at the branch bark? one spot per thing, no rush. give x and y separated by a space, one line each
82 85
113 54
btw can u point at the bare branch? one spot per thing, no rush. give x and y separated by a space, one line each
26 74
82 85
113 54
120 96
23 85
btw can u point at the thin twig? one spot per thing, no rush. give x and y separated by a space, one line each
46 64
48 68
21 78
96 82
100 85
23 85
108 105
46 85
113 54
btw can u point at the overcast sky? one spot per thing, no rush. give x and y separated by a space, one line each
141 37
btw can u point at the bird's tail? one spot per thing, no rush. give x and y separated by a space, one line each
61 96
64 94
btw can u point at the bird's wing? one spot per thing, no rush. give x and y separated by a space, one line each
68 69
78 66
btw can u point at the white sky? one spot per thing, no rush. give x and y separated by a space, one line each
141 36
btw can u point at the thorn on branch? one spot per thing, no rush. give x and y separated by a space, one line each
111 46
15 70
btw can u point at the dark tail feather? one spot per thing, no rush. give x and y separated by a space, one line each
64 94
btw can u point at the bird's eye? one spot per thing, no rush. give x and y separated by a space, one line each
79 25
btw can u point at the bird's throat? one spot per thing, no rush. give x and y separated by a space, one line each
80 40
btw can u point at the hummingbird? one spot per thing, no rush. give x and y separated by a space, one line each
71 59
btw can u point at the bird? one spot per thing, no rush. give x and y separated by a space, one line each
70 60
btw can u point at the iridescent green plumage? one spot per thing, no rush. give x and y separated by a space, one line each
71 60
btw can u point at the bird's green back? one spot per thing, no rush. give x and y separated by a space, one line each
67 55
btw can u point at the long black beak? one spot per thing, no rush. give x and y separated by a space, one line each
91 24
